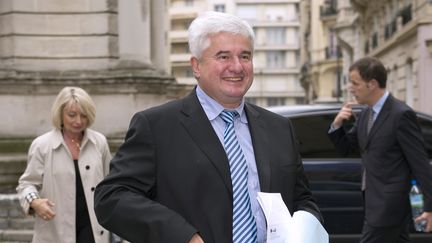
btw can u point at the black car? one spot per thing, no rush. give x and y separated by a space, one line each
334 180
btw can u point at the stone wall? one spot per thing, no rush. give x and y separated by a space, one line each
117 51
27 96
14 225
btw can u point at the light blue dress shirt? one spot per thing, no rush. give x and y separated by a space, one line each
212 109
380 103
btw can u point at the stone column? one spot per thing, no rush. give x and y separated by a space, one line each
134 20
160 47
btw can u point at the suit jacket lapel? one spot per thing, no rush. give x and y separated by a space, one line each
380 119
199 128
260 143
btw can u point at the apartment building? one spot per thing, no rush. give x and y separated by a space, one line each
277 51
321 73
398 32
277 56
338 32
181 13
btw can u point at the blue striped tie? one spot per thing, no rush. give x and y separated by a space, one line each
244 226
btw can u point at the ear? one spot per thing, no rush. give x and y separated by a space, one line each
195 67
371 84
374 83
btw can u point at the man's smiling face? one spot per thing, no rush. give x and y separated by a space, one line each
225 70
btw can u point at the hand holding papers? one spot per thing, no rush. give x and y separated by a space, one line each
302 227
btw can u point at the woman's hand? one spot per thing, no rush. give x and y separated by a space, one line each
44 208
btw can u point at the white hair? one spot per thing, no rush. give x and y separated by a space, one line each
209 23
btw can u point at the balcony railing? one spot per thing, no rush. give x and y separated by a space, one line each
390 29
327 10
406 15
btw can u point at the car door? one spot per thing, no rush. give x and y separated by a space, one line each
334 180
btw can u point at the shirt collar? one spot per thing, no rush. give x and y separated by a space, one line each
58 138
378 106
212 108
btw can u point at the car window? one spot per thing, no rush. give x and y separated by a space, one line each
312 135
426 127
311 132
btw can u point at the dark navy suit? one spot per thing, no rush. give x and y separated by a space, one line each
171 177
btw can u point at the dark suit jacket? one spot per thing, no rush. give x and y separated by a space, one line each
171 176
392 153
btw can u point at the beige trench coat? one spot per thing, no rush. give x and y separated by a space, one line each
50 173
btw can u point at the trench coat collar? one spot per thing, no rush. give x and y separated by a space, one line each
58 140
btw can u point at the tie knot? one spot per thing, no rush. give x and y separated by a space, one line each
228 116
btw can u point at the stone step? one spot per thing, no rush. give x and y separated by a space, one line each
26 223
14 145
12 216
16 236
11 168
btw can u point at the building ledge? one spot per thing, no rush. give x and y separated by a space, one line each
407 31
120 80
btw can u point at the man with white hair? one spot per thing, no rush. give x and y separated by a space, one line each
190 170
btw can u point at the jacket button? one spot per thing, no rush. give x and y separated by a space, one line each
92 189
101 232
87 167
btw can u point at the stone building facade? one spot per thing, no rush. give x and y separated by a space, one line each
116 50
398 32
321 58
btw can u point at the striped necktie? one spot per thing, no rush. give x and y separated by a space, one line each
369 124
370 120
244 225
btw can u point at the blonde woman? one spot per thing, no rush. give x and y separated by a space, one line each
64 167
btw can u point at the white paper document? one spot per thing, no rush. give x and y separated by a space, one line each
302 227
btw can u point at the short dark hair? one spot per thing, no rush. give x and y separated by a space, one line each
371 68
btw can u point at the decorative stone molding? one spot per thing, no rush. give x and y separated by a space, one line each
94 81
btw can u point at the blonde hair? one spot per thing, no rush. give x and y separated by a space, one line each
65 98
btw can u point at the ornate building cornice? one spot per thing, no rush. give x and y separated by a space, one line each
118 81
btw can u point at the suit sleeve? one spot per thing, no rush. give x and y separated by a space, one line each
124 200
344 141
412 143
